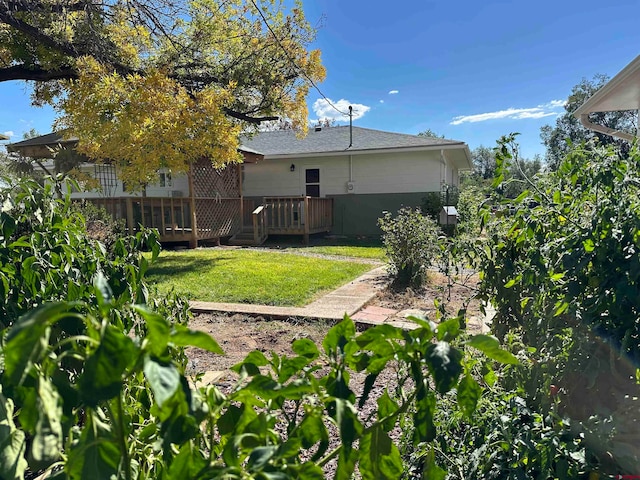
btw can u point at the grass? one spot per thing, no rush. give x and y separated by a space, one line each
246 276
373 253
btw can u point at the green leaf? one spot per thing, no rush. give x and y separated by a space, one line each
96 455
444 362
431 470
589 245
448 330
185 337
425 430
490 346
305 348
12 443
28 338
386 407
469 393
163 378
251 363
158 330
103 290
47 442
338 337
510 283
379 457
103 371
260 456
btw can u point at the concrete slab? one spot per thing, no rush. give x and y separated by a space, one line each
348 299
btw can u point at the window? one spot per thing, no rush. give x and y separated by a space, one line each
165 179
312 182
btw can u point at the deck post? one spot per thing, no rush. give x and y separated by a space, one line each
306 217
129 205
193 242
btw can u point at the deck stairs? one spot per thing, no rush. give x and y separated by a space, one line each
246 237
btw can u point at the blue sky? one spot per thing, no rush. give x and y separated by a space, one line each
471 71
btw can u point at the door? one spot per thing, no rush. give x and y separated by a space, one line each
312 182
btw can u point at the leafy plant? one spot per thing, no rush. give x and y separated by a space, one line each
410 240
563 273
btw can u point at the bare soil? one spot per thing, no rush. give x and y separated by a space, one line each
240 334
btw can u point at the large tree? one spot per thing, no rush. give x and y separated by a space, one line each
568 129
161 82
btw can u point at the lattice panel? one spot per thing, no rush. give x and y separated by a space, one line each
209 182
218 218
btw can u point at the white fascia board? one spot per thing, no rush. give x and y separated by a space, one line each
366 152
622 92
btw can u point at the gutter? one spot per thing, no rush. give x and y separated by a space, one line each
584 120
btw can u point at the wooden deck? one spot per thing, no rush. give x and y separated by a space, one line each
174 217
302 216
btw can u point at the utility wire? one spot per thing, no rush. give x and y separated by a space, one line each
264 19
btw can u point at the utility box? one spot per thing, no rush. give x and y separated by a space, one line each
351 187
448 215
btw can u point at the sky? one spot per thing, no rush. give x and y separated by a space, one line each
469 70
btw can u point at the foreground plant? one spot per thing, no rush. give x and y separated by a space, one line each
85 396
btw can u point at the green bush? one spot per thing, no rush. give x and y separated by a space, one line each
563 273
410 240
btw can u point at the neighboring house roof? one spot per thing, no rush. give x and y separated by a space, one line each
3 137
41 147
622 92
336 140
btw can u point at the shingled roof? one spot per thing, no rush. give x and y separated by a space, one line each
336 139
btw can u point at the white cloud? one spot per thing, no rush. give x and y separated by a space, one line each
9 133
393 92
323 109
545 110
381 101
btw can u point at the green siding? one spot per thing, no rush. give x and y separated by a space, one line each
358 214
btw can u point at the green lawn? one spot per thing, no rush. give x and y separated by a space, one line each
248 276
374 253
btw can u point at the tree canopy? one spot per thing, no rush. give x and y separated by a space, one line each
159 83
569 129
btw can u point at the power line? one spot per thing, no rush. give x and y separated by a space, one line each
264 19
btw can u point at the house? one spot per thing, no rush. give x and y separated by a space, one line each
3 137
622 92
364 172
335 179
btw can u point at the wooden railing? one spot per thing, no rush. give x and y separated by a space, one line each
171 216
260 231
298 215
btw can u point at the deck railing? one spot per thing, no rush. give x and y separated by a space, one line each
298 215
260 231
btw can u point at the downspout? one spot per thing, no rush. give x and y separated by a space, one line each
443 176
584 120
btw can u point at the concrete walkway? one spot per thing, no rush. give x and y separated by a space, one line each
347 299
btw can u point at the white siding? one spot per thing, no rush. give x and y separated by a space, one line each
373 173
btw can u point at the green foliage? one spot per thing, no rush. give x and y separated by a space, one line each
563 273
99 223
507 439
410 240
46 255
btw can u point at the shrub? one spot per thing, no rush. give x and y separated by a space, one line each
99 223
563 273
411 243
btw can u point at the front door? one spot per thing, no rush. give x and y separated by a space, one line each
312 182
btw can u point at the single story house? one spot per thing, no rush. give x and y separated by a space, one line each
335 179
622 92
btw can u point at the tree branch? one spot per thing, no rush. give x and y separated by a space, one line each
21 72
247 118
37 6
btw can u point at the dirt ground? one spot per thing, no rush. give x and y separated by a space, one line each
240 334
